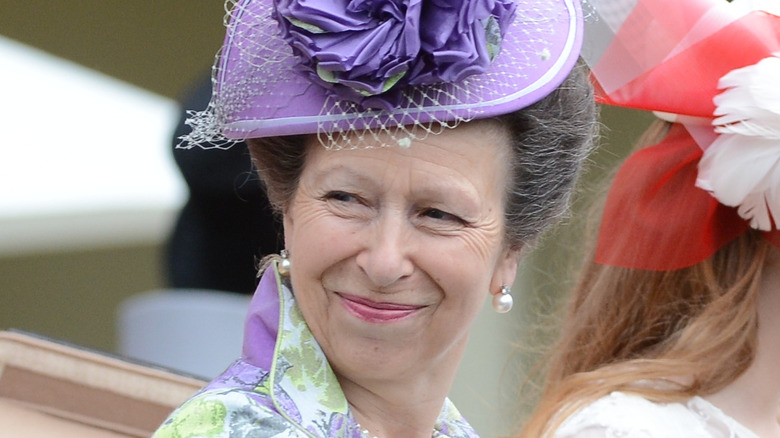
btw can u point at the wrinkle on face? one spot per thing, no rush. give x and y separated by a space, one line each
389 236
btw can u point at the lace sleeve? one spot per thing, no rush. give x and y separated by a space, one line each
624 415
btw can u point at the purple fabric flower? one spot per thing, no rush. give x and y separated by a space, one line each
460 38
361 49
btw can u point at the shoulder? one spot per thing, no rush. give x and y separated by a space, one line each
225 413
621 414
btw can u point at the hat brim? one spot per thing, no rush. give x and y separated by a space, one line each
259 92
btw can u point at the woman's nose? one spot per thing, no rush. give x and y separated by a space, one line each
385 258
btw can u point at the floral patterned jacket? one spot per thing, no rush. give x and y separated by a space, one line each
283 385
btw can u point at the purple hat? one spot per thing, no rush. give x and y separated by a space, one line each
404 67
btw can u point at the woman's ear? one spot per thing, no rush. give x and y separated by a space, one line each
506 269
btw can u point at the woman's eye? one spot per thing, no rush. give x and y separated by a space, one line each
347 205
434 213
341 197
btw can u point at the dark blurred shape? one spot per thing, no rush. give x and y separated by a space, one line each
227 222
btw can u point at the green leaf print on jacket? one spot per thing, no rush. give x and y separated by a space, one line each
197 417
310 366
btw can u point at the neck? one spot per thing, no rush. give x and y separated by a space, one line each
386 420
753 399
401 407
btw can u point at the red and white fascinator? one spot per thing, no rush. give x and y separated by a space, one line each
712 68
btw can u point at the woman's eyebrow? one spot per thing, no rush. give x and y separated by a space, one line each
344 174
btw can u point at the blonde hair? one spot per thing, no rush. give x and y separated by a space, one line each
691 331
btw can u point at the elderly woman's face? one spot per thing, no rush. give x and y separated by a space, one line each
394 250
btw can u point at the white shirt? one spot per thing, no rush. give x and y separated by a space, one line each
624 415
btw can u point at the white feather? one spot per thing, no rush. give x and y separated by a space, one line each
741 168
744 172
771 6
750 104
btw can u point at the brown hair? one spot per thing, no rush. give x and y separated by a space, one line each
550 141
693 329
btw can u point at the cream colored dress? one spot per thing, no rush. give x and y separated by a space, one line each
621 415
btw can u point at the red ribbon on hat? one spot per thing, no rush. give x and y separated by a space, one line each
655 217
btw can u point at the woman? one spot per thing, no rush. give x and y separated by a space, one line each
413 149
672 330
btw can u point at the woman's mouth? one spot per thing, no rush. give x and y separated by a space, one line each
375 312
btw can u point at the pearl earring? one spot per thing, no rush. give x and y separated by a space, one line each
502 301
284 264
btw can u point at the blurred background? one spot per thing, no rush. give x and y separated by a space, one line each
92 74
89 190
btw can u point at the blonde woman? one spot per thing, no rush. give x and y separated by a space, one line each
673 329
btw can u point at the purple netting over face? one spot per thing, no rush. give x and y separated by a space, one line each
260 90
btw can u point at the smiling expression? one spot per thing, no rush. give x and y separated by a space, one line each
394 250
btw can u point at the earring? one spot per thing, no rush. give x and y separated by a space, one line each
284 264
502 301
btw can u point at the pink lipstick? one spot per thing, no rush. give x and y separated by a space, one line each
372 311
